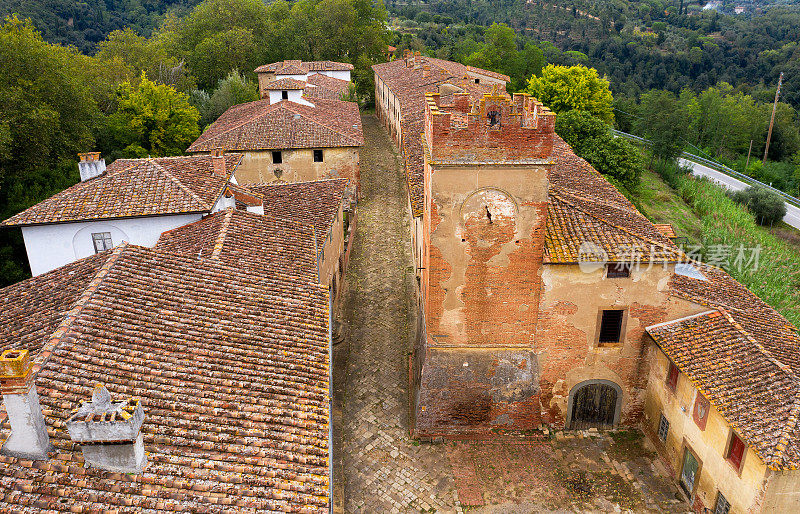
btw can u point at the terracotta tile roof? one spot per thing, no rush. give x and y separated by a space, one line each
327 66
720 290
138 187
248 241
283 125
243 196
288 83
574 234
752 388
32 309
667 229
489 73
304 67
312 203
290 69
322 86
232 370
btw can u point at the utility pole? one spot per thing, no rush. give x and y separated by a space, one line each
772 119
747 164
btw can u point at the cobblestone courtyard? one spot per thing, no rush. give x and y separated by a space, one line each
377 468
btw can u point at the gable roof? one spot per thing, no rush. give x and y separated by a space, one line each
248 241
303 66
574 235
260 125
287 83
138 187
323 86
231 366
755 391
312 203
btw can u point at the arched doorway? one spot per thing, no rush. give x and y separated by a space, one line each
594 404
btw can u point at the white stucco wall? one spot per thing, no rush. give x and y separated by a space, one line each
54 245
296 77
295 95
341 75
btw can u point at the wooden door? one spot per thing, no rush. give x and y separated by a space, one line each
594 406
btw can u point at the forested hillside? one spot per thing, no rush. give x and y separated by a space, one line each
84 24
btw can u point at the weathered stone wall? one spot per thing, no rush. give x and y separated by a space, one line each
567 334
742 488
298 166
332 246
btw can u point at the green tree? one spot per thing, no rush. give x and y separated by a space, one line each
563 88
663 122
47 115
134 54
232 90
152 119
591 138
767 206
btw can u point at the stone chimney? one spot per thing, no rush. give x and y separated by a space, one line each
109 432
91 165
426 70
28 437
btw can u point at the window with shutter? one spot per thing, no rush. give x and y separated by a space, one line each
672 376
735 451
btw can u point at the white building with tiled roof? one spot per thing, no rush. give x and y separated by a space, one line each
132 200
300 70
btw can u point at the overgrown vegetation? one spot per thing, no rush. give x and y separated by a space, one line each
591 139
724 223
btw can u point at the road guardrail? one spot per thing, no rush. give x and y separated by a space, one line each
718 167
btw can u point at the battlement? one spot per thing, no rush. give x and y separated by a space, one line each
496 129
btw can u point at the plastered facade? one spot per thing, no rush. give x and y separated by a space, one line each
752 488
567 332
298 165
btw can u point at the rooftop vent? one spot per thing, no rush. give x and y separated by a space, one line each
28 437
109 432
91 165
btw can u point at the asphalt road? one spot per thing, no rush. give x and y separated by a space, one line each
792 213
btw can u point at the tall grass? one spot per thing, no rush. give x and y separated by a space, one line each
776 279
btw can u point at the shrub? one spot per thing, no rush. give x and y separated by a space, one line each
767 206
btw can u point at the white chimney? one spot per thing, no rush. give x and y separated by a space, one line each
109 432
91 165
28 439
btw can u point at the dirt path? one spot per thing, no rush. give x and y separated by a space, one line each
378 467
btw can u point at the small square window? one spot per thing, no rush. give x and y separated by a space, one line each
611 326
722 506
477 81
672 376
663 429
735 451
618 270
277 158
102 241
284 95
317 155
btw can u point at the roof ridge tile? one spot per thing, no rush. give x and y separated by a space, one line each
618 227
180 184
223 233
